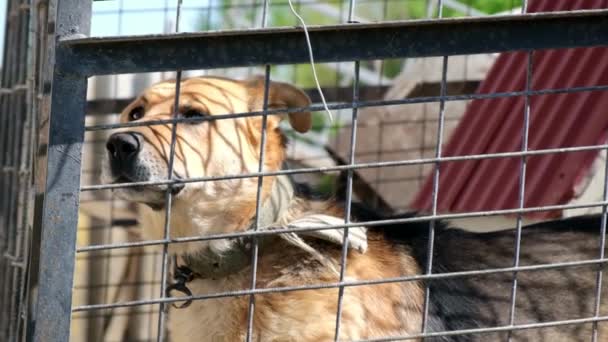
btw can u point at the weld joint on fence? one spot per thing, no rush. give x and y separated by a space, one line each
14 89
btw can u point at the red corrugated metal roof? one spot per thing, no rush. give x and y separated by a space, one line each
557 120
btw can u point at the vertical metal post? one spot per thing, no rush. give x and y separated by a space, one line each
14 170
20 179
258 199
60 215
435 193
522 183
60 210
8 134
349 183
160 331
42 70
602 254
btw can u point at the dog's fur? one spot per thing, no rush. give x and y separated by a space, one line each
231 146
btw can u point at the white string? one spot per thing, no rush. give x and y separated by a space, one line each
312 60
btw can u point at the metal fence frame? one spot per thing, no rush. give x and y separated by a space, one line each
17 133
77 58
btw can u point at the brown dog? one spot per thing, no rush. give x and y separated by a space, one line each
232 147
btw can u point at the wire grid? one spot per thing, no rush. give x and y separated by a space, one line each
350 168
372 74
342 284
16 137
104 230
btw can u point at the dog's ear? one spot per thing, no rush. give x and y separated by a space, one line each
281 96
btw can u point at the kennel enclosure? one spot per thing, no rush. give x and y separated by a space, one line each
59 78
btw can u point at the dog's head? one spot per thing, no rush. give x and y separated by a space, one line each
202 149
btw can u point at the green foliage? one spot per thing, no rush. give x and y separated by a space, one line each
282 16
319 121
326 184
493 6
301 74
416 9
335 128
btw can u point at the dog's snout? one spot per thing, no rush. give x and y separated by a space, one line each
123 147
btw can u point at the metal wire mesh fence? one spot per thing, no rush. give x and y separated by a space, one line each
402 92
17 134
304 151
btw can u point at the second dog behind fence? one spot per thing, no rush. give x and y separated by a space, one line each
297 272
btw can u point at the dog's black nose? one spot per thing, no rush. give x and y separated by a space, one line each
123 147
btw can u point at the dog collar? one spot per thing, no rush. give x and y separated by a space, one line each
207 264
210 264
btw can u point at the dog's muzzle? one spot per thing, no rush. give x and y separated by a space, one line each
128 162
123 149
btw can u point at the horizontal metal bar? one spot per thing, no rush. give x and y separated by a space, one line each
538 325
273 231
398 39
351 283
350 105
332 94
358 166
14 89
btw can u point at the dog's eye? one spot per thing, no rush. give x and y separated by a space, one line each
192 113
136 113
